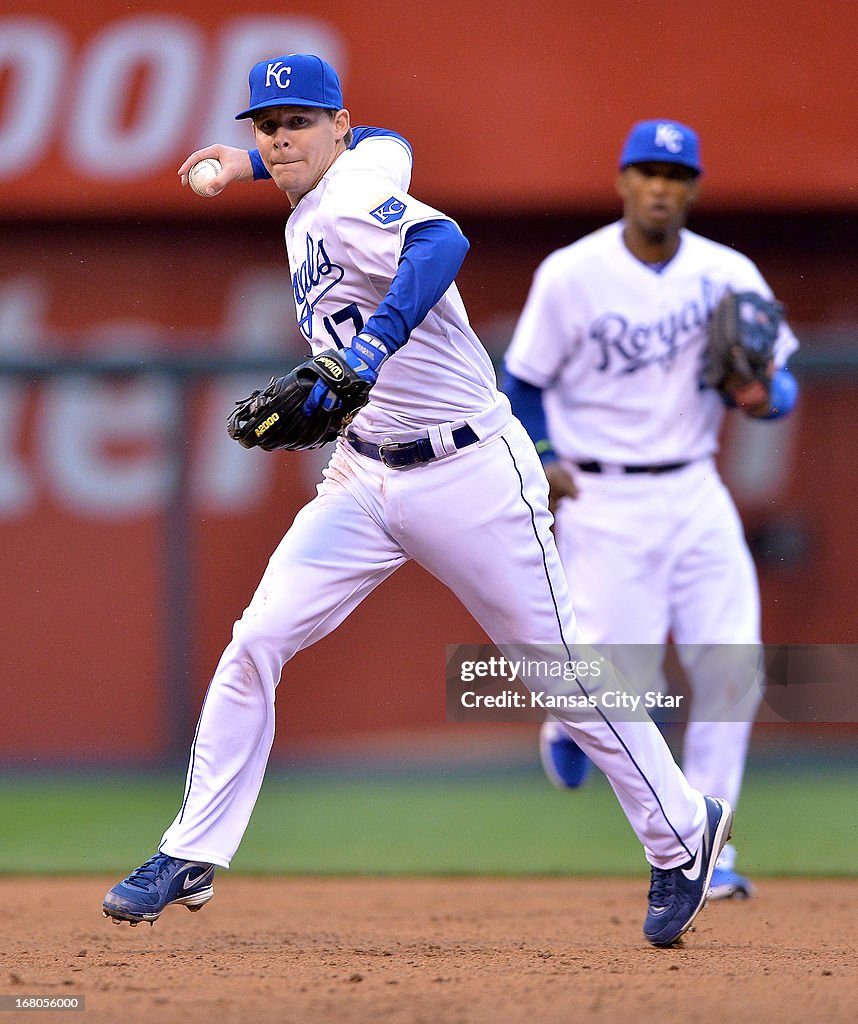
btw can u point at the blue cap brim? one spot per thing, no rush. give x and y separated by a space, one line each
662 159
292 102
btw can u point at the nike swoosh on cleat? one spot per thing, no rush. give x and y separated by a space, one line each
188 882
693 873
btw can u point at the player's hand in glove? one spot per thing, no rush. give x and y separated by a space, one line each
362 359
742 336
751 397
281 415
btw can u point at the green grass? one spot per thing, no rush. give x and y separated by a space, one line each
789 823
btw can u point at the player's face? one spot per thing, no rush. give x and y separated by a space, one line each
656 197
298 144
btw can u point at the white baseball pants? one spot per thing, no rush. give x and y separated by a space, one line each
650 556
478 521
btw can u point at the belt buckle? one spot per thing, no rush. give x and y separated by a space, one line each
393 446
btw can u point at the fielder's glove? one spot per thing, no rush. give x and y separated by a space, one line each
361 361
278 418
742 335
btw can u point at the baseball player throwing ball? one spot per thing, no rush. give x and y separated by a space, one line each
429 464
615 370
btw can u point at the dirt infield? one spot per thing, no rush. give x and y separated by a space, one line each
432 951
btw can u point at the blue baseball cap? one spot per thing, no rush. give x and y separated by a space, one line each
293 80
667 142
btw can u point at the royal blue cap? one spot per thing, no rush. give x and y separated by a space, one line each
293 80
667 142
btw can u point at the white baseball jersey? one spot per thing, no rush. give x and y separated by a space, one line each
476 517
356 219
618 348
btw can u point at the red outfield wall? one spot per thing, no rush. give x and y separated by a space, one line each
508 113
85 488
524 107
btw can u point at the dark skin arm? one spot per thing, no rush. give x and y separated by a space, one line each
560 485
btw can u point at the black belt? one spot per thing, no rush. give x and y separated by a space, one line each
663 467
398 455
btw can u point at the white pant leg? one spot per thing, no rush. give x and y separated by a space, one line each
335 553
614 541
653 554
714 755
717 632
479 522
726 682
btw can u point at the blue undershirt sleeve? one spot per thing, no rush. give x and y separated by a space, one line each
367 132
526 402
260 171
431 257
783 394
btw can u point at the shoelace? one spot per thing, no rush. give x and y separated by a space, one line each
147 873
660 888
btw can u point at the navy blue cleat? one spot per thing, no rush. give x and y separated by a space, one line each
728 884
563 761
162 880
677 895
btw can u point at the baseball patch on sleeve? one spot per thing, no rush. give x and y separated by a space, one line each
389 211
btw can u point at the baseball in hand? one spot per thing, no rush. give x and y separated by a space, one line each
202 173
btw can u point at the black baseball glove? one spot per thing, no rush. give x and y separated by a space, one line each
274 418
742 335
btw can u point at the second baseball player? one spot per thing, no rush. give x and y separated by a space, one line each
605 370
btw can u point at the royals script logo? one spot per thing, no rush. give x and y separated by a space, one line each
625 346
316 276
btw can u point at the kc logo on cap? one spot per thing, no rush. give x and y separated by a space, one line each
662 141
274 72
293 80
669 136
